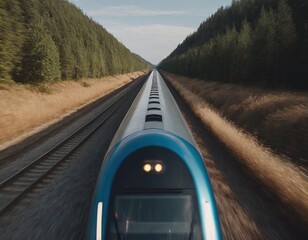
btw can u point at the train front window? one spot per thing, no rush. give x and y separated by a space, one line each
156 217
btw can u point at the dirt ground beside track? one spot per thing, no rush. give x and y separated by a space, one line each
26 109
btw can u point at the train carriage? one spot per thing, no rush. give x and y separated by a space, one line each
153 183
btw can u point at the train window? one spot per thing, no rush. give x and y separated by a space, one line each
153 118
154 217
154 102
148 203
153 108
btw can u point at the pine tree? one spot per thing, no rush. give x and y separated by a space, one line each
11 38
41 57
5 38
264 47
242 58
285 38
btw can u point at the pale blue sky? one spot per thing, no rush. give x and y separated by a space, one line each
150 28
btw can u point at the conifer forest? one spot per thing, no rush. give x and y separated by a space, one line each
251 42
50 40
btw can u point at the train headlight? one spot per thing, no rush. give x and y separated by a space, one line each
153 166
147 167
158 167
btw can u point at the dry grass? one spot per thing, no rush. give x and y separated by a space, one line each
235 220
277 119
280 175
25 108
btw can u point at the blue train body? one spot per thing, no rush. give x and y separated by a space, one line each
153 183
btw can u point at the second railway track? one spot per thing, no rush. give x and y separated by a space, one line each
15 187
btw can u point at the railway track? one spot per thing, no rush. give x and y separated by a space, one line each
16 187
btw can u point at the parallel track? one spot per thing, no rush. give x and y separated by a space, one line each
14 188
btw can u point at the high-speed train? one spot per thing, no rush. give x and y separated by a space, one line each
153 184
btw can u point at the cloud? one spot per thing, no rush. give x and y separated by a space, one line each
132 11
153 42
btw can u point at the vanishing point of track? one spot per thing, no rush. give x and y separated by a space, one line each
14 188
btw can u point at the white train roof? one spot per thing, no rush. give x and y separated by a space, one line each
154 108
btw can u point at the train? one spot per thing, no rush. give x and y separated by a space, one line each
153 182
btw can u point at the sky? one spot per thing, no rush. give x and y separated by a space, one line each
152 29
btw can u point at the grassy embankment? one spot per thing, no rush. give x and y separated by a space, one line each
25 109
267 115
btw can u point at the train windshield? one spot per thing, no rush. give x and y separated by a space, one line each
154 217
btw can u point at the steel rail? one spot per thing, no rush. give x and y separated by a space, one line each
44 165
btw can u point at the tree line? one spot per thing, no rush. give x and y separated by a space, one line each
259 42
50 40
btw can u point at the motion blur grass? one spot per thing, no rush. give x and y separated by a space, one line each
280 175
25 108
277 119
